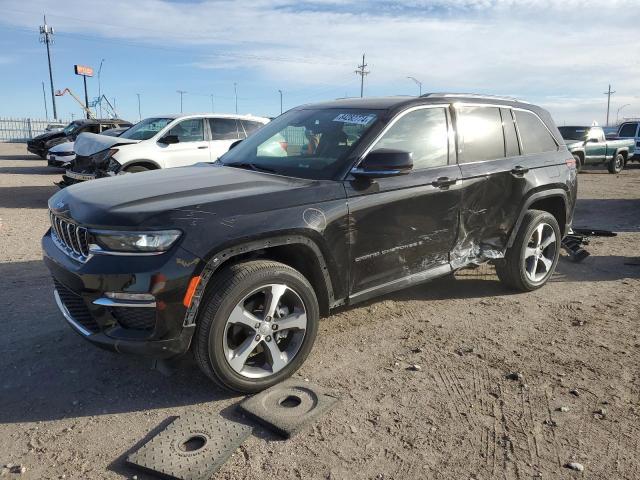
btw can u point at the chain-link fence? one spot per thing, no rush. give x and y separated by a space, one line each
20 130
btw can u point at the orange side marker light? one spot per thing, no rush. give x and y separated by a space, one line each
191 290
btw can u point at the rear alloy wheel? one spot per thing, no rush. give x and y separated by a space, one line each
616 164
258 324
531 260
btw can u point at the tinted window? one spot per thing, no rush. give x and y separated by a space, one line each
628 130
510 136
250 127
224 129
481 137
93 128
422 132
534 135
189 130
573 133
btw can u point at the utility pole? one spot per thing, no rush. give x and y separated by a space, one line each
100 88
86 97
44 96
212 104
608 94
235 91
139 111
46 37
362 72
181 92
417 82
280 92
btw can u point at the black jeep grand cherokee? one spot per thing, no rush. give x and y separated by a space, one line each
329 204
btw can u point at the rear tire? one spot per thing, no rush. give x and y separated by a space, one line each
531 260
578 163
241 346
616 164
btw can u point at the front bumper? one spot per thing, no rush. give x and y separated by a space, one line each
155 330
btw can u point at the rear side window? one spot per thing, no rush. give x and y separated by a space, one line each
628 130
480 132
511 146
534 135
224 129
249 126
422 132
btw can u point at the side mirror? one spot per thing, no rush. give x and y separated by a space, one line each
169 139
234 144
384 162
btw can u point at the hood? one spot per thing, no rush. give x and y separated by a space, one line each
62 147
48 136
89 143
171 197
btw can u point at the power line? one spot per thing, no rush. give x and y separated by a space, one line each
362 72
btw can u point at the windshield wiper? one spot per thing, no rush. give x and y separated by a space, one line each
249 166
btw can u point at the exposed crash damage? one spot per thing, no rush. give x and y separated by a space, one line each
329 204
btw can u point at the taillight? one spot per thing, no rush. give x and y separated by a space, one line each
571 162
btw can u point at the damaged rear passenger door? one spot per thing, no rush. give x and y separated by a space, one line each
403 226
489 158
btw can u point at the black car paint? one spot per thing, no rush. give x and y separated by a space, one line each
365 237
41 144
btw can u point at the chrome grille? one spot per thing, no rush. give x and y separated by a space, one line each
70 238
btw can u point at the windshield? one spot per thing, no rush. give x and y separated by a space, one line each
147 128
303 143
72 127
573 133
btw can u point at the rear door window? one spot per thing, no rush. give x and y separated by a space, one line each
535 137
422 132
480 134
628 130
224 129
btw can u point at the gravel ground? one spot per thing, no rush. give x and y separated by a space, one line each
70 410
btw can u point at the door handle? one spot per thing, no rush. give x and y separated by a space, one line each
519 170
444 182
202 148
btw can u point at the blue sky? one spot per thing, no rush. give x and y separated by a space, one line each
560 54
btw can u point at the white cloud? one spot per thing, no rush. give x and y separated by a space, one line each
561 54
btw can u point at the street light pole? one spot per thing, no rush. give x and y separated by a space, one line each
100 88
212 104
181 92
618 112
280 92
139 111
417 82
235 91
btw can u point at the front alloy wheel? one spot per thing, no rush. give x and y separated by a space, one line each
265 331
257 324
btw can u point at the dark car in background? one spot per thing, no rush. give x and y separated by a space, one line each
41 144
237 260
589 146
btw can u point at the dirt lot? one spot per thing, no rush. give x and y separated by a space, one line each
69 410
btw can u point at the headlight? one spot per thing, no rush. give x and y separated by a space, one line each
103 156
133 242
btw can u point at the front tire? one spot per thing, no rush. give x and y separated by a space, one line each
616 164
531 260
257 325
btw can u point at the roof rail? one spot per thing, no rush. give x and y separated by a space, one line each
474 95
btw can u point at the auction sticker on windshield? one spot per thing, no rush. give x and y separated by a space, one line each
355 118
